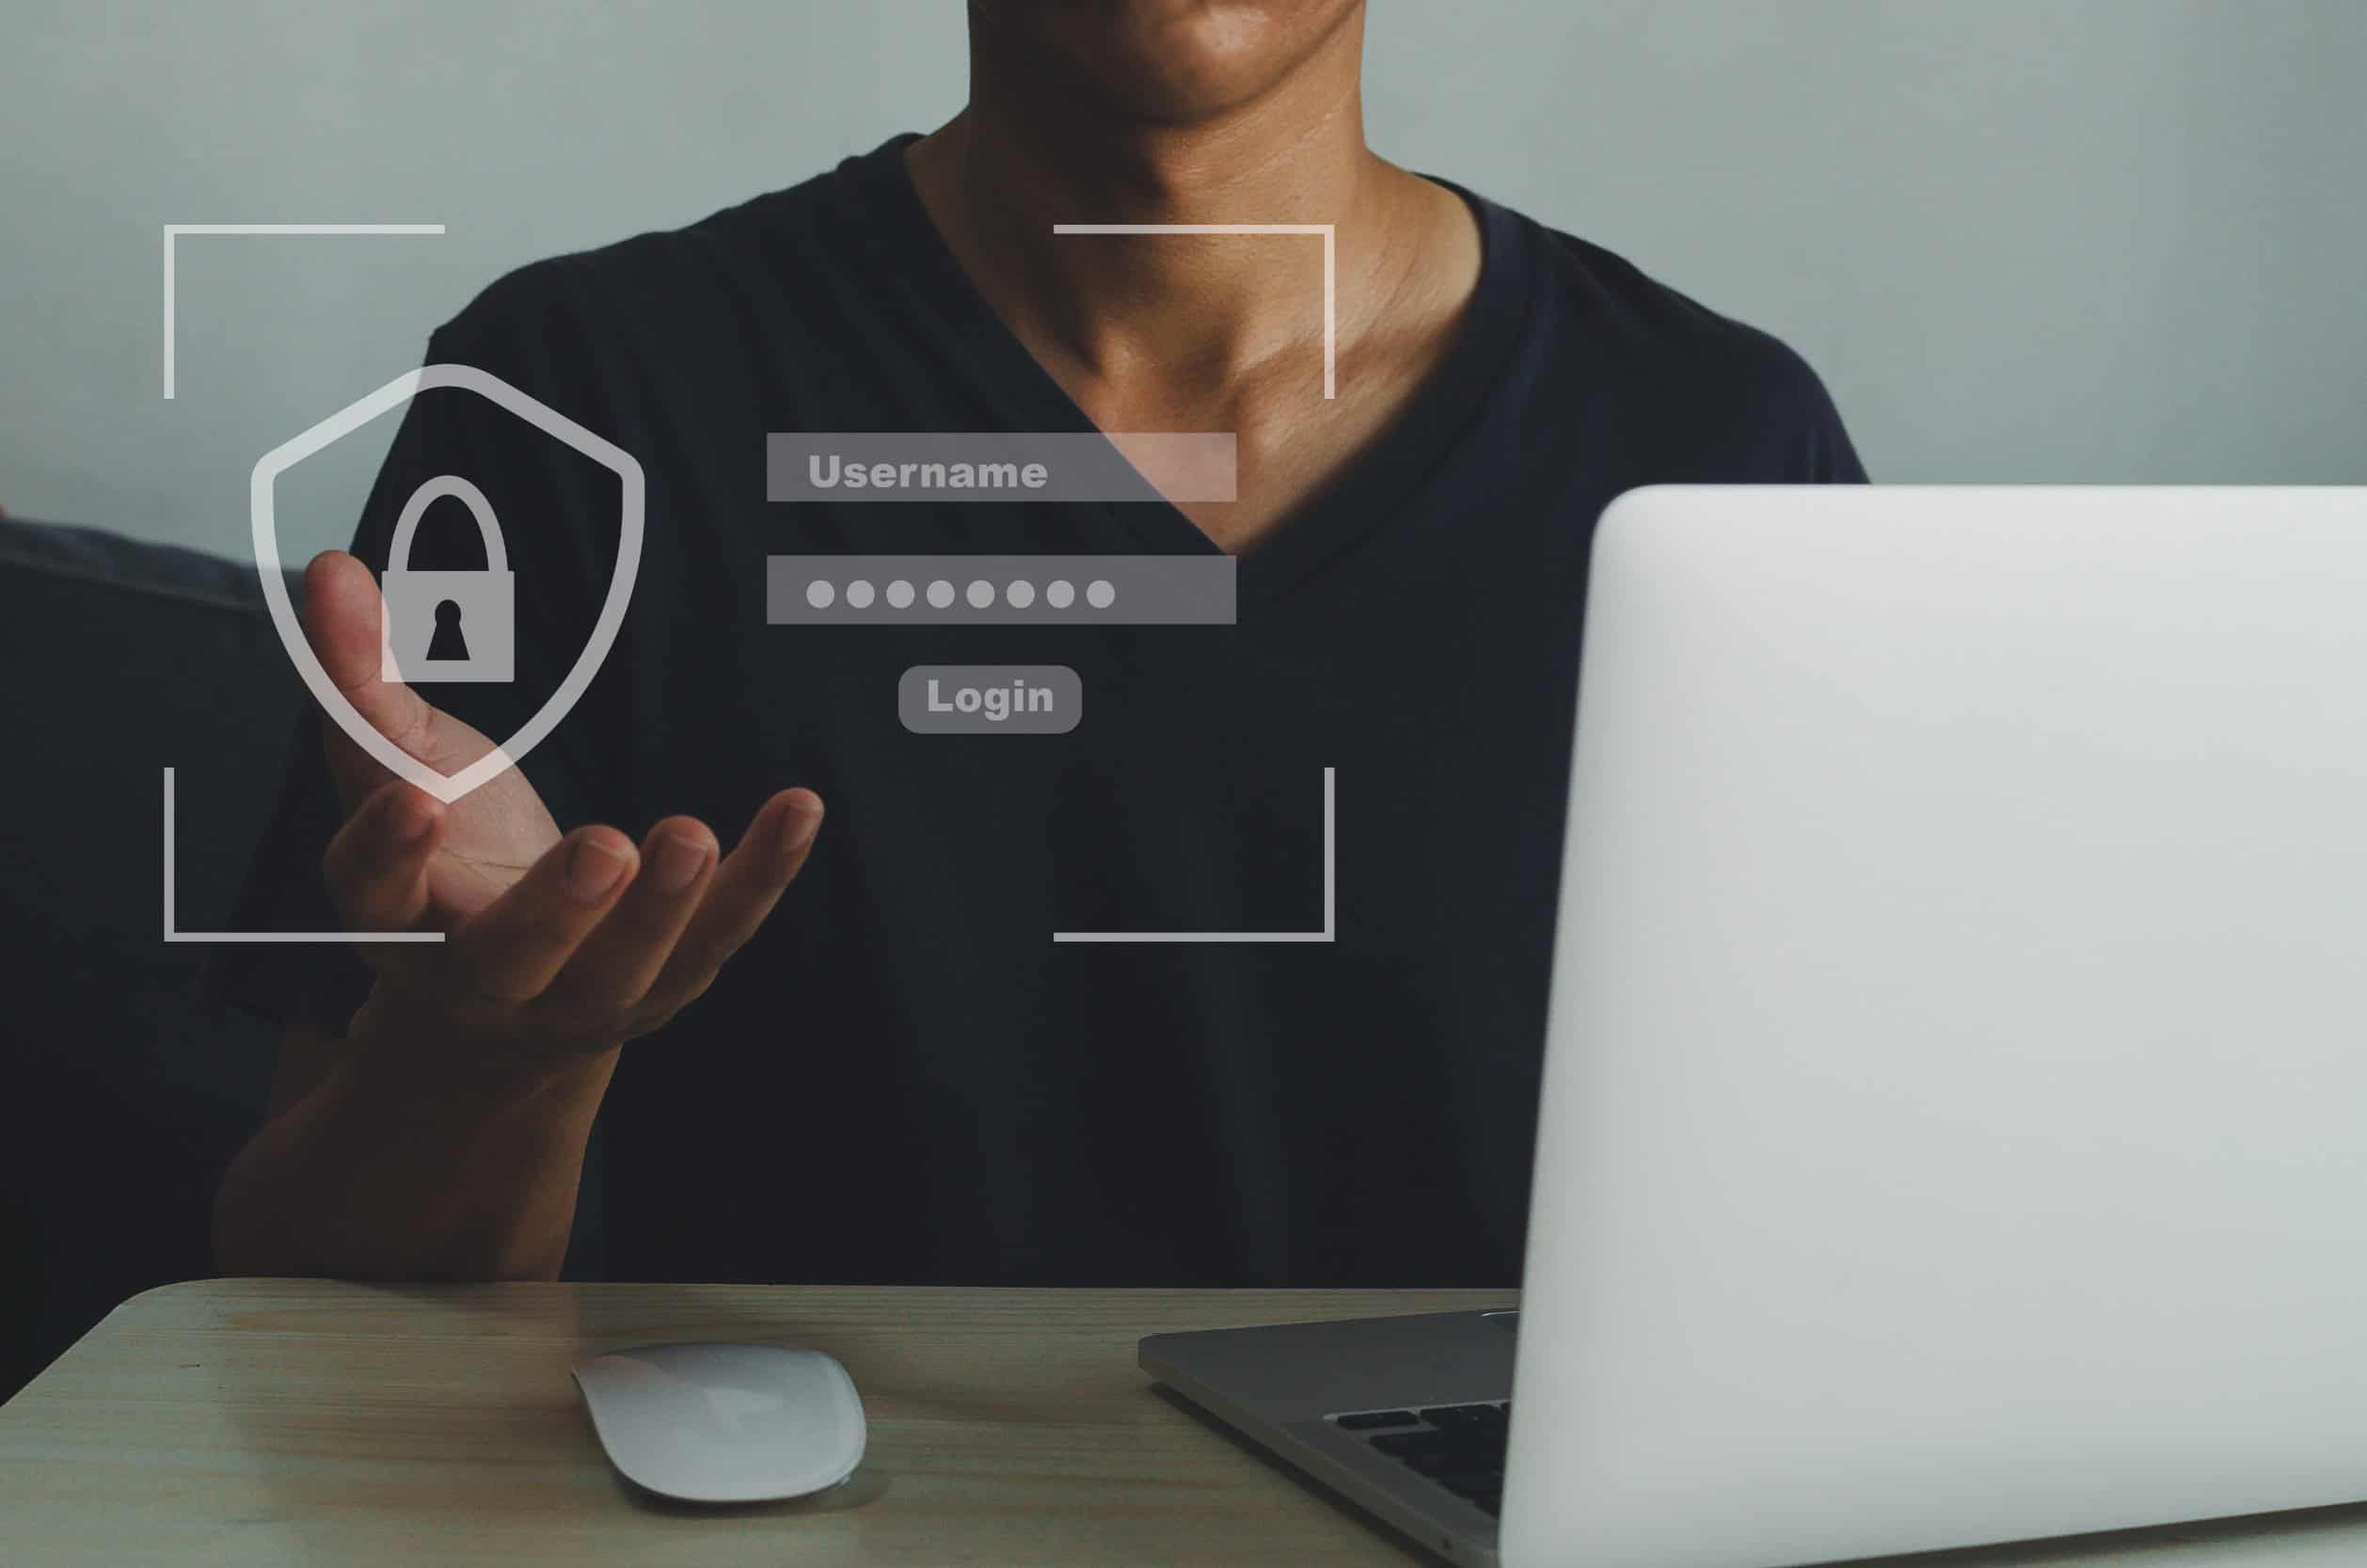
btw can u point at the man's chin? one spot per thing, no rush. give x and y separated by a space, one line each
1161 62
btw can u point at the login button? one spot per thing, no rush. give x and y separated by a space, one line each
990 699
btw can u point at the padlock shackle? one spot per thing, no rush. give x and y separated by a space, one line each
497 558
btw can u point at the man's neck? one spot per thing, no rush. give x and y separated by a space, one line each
1165 332
1204 311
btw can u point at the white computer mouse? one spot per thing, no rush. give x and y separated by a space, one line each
714 1423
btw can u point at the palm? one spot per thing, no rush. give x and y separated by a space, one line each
493 833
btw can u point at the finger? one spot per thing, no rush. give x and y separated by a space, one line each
342 620
618 962
376 865
509 950
746 886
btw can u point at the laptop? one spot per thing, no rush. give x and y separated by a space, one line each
1953 1126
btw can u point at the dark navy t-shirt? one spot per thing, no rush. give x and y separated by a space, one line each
904 1078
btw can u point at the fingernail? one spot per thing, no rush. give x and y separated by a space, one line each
413 818
804 822
592 868
680 859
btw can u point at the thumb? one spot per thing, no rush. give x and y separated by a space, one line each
342 620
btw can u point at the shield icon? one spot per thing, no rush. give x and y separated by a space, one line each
448 787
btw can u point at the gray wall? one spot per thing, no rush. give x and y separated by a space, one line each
2024 240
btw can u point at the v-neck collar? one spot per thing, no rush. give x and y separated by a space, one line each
1420 440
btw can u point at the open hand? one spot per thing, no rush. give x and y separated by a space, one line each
555 945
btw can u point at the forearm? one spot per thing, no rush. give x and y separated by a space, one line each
397 1166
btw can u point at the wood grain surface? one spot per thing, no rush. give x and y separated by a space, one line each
292 1421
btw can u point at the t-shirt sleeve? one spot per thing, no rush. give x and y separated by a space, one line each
1829 457
1715 402
1785 429
558 514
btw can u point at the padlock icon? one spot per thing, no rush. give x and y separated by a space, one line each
448 625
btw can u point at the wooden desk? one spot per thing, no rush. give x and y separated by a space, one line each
267 1421
271 1422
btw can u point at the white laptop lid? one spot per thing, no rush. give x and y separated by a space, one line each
1955 1119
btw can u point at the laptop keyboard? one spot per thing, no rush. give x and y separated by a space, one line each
1459 1447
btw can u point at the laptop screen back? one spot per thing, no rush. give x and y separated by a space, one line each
1955 1117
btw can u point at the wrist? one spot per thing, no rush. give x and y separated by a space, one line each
404 1054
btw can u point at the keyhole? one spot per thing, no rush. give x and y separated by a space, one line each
448 642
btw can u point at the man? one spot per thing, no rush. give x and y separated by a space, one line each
897 1075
